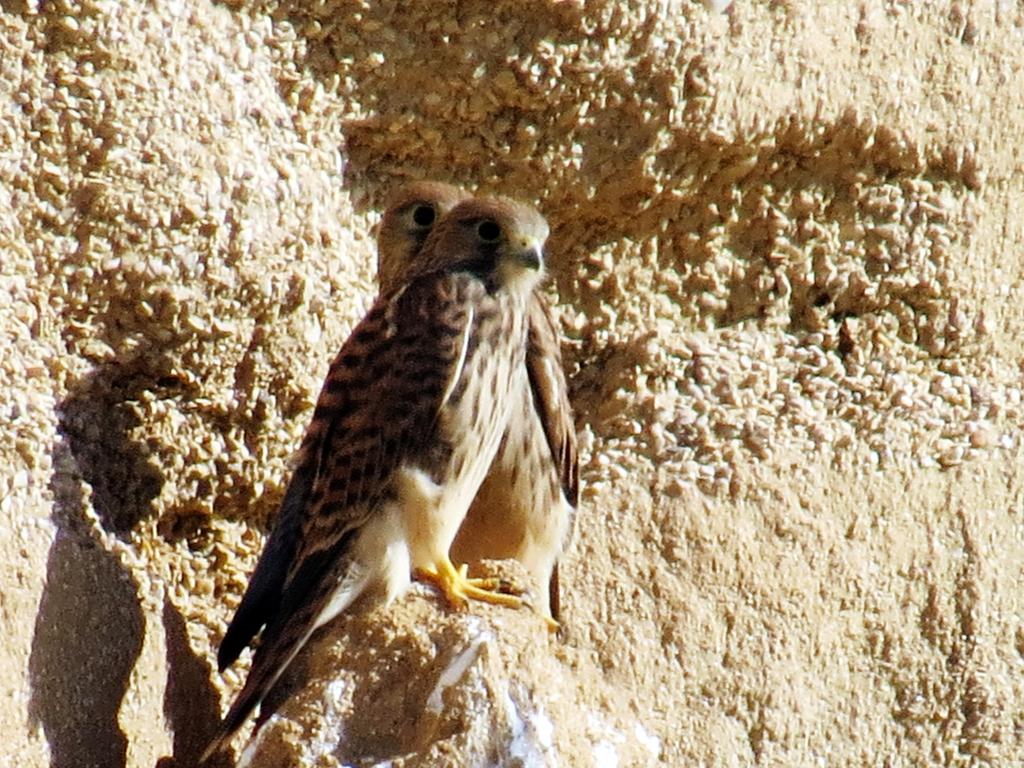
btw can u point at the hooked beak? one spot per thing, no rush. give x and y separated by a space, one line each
531 256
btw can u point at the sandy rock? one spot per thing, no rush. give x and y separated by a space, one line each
785 252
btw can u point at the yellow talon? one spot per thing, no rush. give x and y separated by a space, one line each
499 585
503 588
459 589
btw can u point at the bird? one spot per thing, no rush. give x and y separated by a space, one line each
411 213
407 422
525 509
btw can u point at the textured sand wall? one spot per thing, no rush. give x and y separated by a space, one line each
786 247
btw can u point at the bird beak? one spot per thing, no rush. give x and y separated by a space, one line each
531 255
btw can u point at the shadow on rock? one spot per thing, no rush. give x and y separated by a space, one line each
89 627
97 419
88 635
191 704
408 56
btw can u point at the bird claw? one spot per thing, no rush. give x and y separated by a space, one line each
492 584
459 589
509 587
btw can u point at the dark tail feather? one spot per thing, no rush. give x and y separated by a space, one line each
554 597
263 595
285 634
271 660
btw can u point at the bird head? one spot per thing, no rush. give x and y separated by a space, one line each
498 239
412 212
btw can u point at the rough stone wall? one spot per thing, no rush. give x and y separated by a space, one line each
787 251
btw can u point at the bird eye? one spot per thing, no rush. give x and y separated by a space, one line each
423 215
488 231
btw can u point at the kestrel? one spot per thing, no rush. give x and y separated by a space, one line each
411 214
405 428
525 507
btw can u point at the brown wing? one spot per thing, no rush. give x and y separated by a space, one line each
339 462
381 398
551 395
551 401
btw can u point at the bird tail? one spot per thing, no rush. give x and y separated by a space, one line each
322 598
269 663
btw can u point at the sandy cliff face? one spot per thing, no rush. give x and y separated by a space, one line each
787 252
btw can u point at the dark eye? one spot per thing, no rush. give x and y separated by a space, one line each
423 215
488 231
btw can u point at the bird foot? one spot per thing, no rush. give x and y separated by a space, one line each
460 589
